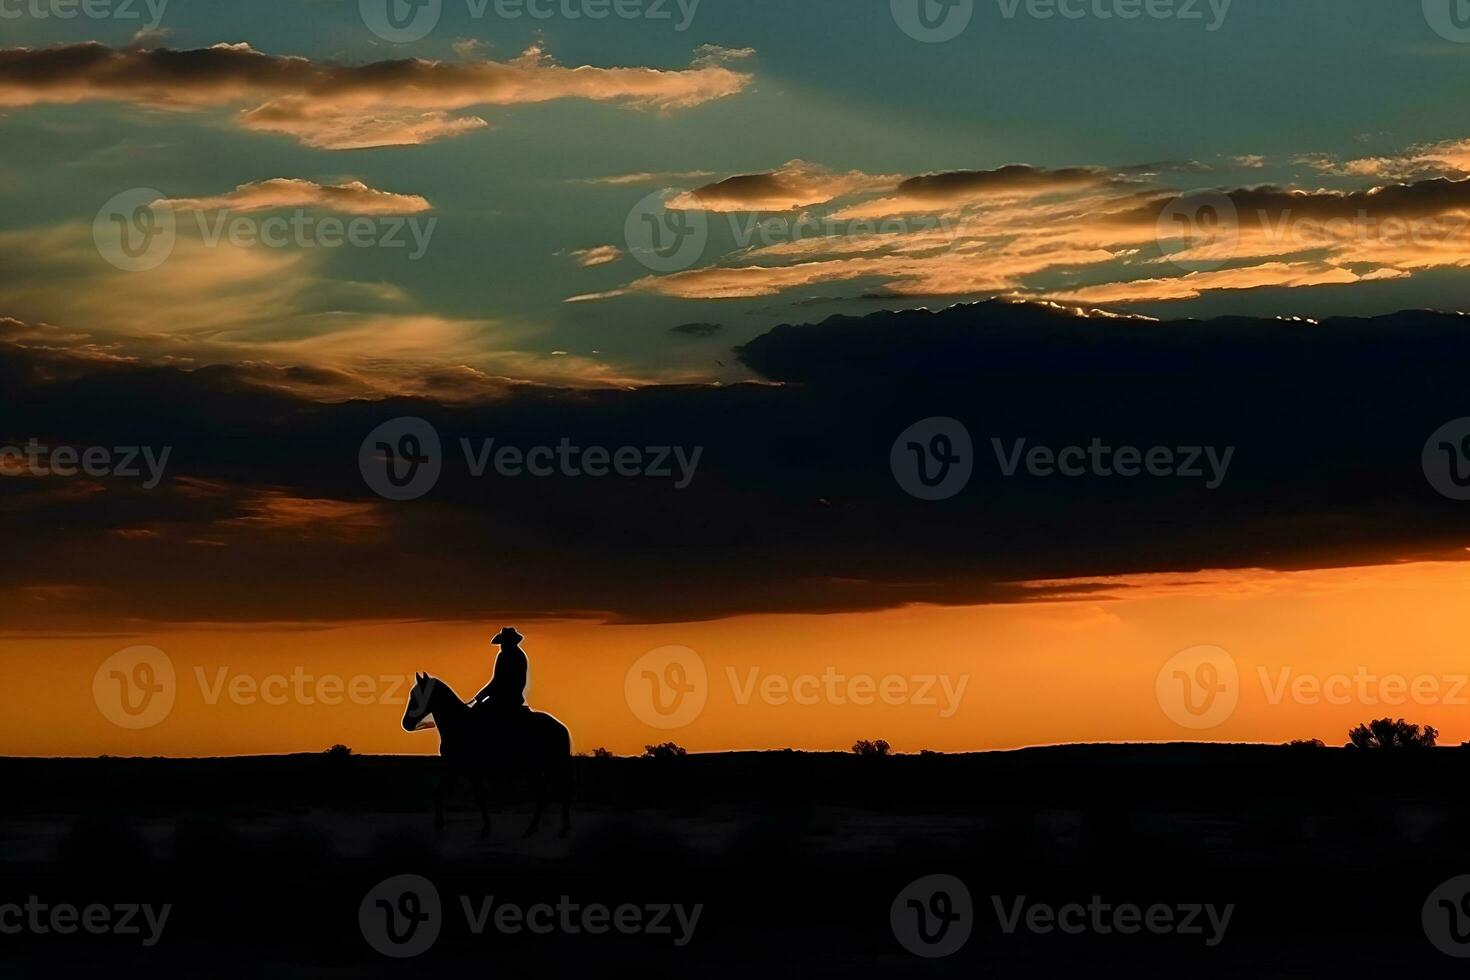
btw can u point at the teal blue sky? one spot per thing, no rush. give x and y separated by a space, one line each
1284 93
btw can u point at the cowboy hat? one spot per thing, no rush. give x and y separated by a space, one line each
508 635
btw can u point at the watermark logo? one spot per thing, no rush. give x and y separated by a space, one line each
135 688
401 916
933 459
1446 917
1449 18
665 240
933 916
667 688
1446 459
1198 231
932 21
1199 687
401 459
400 21
131 233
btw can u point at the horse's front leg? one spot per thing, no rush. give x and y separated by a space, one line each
482 799
446 786
568 781
540 802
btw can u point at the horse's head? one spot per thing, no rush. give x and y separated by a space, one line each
420 703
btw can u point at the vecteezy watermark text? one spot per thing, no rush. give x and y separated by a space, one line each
40 918
935 915
934 459
834 687
137 230
1100 459
1101 918
402 459
137 687
669 687
403 916
37 459
89 9
405 21
937 21
1201 687
568 459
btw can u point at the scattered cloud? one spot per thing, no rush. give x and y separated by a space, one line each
647 177
588 258
334 106
797 184
1081 234
352 197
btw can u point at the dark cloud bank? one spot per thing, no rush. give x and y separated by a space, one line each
793 506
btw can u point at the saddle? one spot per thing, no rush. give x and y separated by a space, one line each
499 718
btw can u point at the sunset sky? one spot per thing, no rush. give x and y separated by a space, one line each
244 242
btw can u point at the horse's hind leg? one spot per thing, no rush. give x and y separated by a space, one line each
568 780
446 786
481 799
540 802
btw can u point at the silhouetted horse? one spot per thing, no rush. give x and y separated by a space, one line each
482 741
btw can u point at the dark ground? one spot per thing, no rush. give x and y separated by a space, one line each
1328 856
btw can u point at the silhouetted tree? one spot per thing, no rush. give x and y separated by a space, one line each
1385 733
339 751
1306 743
601 753
864 747
668 750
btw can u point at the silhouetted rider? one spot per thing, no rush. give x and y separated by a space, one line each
507 687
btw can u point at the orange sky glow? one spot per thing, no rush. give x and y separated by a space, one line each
1316 652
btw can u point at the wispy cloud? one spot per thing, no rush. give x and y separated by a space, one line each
335 106
599 255
352 197
1082 234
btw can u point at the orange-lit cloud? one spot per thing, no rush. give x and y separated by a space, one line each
274 510
352 197
947 192
646 177
588 258
275 313
797 184
333 106
1007 231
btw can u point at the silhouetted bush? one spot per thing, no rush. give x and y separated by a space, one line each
1306 743
339 751
602 753
668 750
1385 733
866 748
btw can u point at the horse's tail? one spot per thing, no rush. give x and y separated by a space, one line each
574 771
